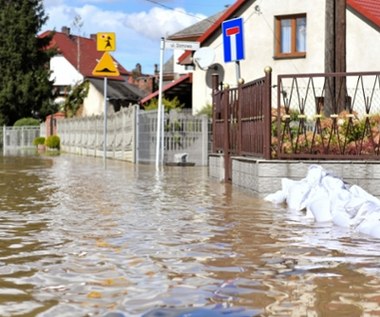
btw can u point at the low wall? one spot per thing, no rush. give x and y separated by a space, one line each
264 177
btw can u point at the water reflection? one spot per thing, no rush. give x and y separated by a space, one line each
78 239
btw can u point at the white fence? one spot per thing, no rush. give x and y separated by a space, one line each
131 136
86 135
19 137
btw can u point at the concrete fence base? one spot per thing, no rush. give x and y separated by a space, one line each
264 177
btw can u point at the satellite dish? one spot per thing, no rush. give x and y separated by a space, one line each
214 69
204 57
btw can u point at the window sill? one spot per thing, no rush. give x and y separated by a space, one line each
289 56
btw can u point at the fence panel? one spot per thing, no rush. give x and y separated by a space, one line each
131 136
241 119
183 133
85 135
328 116
20 137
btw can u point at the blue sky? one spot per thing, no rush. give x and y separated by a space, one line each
138 24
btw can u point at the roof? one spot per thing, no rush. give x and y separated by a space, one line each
369 9
197 29
181 85
67 45
118 90
216 26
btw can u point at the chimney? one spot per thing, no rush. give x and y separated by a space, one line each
65 30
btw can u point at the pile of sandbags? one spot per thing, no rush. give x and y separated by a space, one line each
326 197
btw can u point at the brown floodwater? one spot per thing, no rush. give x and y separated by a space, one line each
78 238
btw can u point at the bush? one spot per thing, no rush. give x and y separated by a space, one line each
39 140
206 110
53 142
26 122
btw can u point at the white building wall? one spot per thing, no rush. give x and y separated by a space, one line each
363 45
178 69
259 46
94 103
63 72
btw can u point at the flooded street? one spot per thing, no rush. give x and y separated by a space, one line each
79 239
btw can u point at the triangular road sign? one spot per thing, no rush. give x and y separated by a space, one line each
106 67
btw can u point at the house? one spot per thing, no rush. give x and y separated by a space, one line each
291 37
75 61
177 78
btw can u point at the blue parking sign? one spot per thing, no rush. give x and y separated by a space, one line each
233 40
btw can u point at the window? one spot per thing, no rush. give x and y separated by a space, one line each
290 36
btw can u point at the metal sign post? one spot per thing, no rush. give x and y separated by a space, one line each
105 121
105 68
233 42
182 45
159 141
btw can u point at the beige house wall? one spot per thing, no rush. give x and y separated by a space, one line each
362 47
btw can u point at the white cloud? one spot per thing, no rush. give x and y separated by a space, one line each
159 22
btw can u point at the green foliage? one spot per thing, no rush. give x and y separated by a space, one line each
75 98
25 88
53 142
206 110
39 140
167 103
26 122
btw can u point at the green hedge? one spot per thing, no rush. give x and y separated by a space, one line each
53 142
26 122
39 140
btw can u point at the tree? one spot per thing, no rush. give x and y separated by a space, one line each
25 88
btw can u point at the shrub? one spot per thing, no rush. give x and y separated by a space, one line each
26 122
53 142
206 110
39 140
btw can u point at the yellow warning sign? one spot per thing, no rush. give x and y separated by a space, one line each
105 41
106 67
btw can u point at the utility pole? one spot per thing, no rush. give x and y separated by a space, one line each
78 23
335 56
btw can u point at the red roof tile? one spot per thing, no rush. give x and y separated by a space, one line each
67 45
370 9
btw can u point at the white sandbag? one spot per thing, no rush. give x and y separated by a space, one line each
314 175
328 198
278 197
318 204
286 183
297 195
366 211
341 218
370 225
332 183
360 192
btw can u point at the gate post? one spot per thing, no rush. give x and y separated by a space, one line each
215 88
239 110
226 133
267 112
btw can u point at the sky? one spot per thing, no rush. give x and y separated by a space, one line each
138 24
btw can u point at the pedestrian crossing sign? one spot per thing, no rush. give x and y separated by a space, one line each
106 67
105 41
